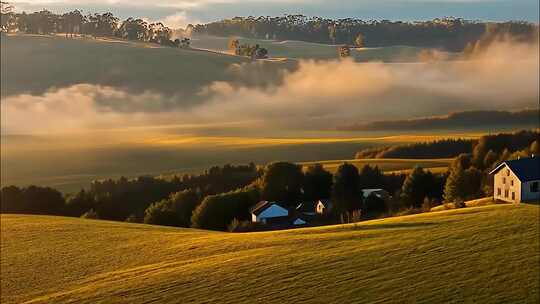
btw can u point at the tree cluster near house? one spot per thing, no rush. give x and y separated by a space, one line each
448 33
75 23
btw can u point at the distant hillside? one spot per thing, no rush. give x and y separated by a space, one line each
464 255
294 49
467 119
38 63
447 148
448 33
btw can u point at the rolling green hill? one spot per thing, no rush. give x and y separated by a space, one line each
478 255
38 63
308 50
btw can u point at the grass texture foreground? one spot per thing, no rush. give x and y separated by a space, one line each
486 254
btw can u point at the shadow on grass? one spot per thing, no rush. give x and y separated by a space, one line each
534 203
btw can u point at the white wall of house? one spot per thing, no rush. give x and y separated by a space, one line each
530 191
321 208
506 186
270 212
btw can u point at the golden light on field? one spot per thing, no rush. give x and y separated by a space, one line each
252 141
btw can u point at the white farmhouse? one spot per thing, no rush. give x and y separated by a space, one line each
267 212
323 207
517 181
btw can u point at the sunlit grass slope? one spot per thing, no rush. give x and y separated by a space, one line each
474 255
307 50
389 165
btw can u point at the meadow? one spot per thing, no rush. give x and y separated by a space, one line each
39 63
306 50
485 254
69 163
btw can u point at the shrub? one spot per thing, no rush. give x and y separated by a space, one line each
90 214
245 226
173 211
133 219
459 205
426 205
216 212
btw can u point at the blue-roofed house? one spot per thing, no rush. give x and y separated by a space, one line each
517 181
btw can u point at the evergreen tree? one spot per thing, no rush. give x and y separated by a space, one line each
417 186
282 182
346 194
317 183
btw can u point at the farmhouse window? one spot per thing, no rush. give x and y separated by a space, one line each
534 187
513 195
512 182
504 180
498 191
507 172
506 193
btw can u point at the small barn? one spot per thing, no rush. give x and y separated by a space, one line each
517 181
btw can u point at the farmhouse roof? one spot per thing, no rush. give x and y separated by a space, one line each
526 169
263 205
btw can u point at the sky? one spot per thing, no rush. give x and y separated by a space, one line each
179 13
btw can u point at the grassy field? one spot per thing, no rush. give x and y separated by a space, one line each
475 255
34 64
69 163
389 165
307 50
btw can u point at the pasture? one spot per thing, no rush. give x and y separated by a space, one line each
307 50
35 64
483 255
69 163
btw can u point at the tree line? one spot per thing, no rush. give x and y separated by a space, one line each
448 148
211 200
221 197
75 23
448 33
123 198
